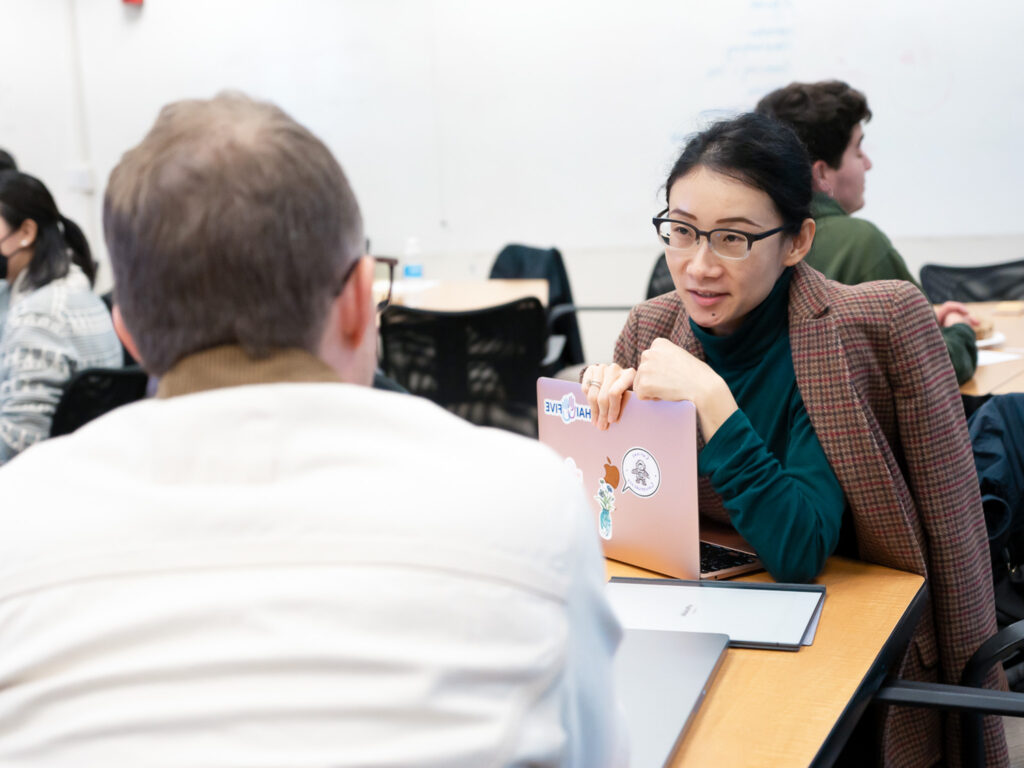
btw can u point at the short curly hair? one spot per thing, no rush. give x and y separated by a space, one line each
822 114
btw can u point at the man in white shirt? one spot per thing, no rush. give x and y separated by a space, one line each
271 563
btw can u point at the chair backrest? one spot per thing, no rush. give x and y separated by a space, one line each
994 282
996 429
482 364
525 262
94 391
661 278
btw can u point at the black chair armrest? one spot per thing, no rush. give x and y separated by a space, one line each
912 693
561 310
555 346
969 697
997 649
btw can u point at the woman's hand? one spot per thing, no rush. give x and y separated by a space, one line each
951 312
604 386
668 372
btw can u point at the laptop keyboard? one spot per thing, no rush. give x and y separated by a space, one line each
717 558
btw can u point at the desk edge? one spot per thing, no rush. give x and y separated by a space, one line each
888 655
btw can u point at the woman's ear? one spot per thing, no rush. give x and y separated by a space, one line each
27 233
800 244
123 333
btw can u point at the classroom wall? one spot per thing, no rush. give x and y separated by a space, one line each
469 124
40 115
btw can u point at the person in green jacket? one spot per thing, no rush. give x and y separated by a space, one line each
827 117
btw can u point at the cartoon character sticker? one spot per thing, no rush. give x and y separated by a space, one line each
606 498
640 473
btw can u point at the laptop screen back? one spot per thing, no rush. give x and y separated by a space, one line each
640 475
661 679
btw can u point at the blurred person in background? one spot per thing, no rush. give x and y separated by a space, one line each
53 323
827 117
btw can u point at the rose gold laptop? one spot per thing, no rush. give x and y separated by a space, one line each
640 476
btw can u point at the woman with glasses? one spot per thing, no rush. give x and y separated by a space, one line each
817 402
54 325
736 225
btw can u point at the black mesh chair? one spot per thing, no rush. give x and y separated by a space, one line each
565 346
995 282
661 278
94 391
525 262
481 365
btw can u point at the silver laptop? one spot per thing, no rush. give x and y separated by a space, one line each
661 679
640 476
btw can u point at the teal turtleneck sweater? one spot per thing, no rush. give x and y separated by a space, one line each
765 460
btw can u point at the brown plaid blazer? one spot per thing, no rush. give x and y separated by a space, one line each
879 388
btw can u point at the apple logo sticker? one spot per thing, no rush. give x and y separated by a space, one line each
611 473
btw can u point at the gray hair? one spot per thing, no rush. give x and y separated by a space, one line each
229 224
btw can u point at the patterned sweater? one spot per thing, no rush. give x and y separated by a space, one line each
48 335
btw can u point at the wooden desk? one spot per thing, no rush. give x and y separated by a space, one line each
775 708
999 378
1014 384
461 295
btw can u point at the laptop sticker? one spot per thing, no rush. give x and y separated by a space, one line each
567 409
606 497
640 473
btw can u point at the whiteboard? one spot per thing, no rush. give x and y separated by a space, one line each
469 124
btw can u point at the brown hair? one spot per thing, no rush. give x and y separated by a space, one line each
229 224
822 114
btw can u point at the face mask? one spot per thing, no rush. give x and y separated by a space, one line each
5 257
3 260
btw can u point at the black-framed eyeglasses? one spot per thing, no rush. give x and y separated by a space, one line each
730 244
383 278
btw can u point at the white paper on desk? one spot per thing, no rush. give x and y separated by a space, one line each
992 356
764 618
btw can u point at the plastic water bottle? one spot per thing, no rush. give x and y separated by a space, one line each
412 267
